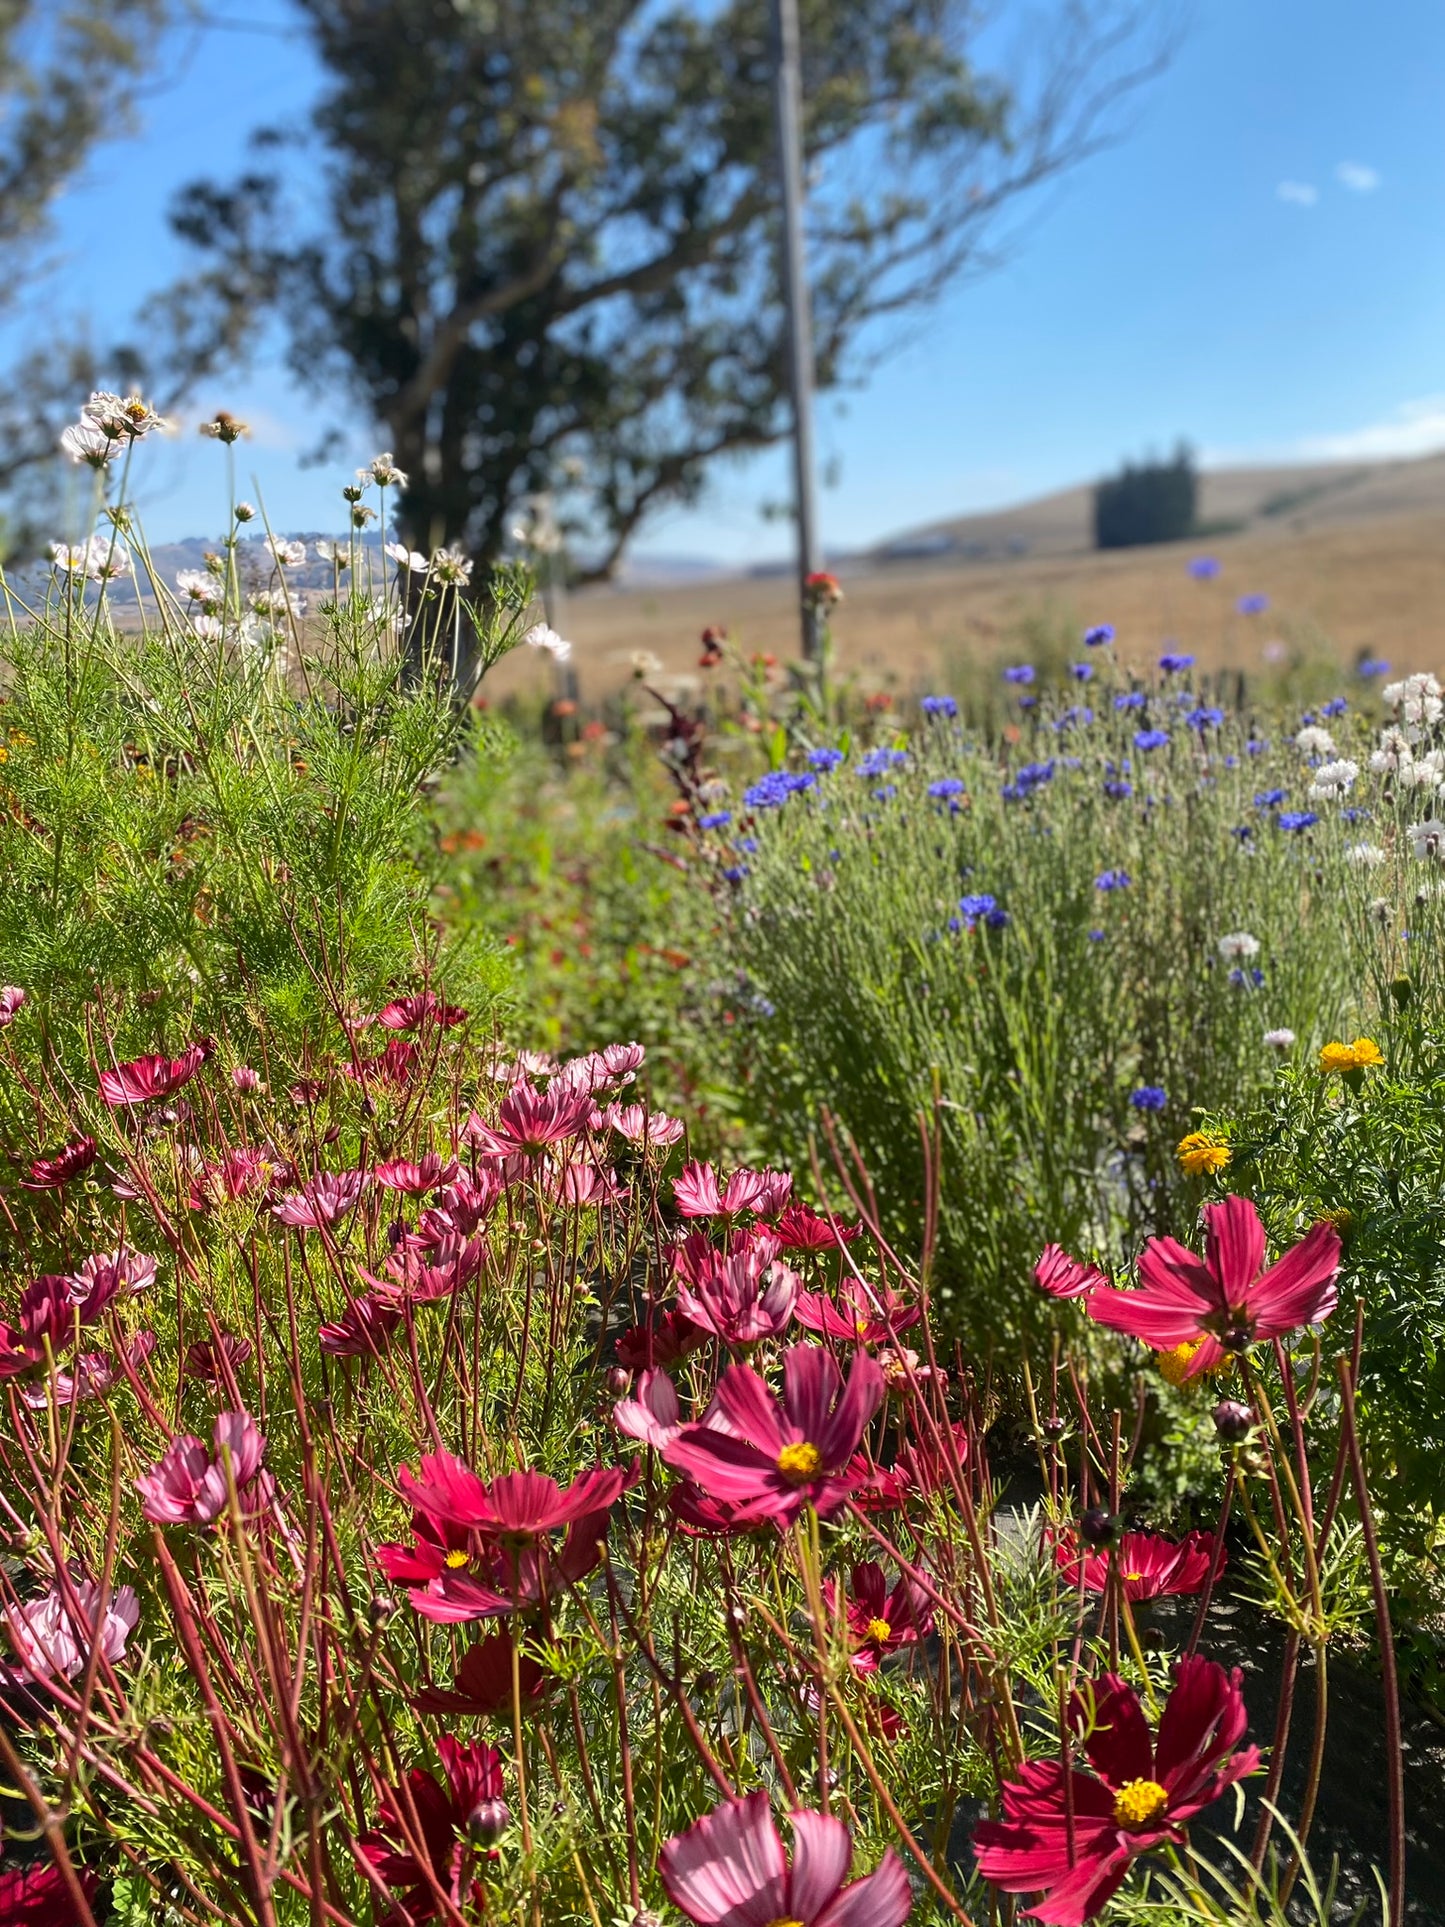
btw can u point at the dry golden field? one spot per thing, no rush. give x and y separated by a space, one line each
1376 586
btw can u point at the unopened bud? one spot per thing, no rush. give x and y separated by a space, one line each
1402 990
1233 1420
380 1609
1098 1527
488 1821
1055 1428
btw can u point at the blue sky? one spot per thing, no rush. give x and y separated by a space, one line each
1258 265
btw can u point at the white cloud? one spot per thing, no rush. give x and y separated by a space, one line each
1298 193
1414 428
1358 178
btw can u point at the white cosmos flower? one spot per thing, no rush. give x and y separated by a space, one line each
286 555
1238 946
100 558
208 628
382 470
406 558
451 566
1314 741
335 552
198 584
121 416
87 441
540 636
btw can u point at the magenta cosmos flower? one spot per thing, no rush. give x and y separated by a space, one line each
1064 1277
1148 1565
1230 1297
779 1456
699 1195
49 1174
36 1894
188 1486
145 1078
1139 1795
730 1870
530 1122
744 1297
861 1315
453 1817
879 1622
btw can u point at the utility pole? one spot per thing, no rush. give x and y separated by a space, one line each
788 105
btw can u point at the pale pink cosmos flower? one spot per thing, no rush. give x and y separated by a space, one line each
579 1182
11 998
53 1639
428 1173
322 1199
100 1279
529 1121
245 1080
730 1870
653 1413
188 1486
699 1195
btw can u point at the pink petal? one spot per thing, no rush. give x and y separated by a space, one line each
822 1851
881 1899
730 1860
1234 1241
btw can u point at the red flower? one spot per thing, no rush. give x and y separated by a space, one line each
410 1013
1148 1565
730 1870
669 1337
530 1121
801 1229
515 1508
48 1174
878 1488
879 1622
362 1329
1064 1277
777 1458
415 1180
394 1065
150 1077
484 1680
870 1315
413 1862
1139 1795
36 1895
1231 1297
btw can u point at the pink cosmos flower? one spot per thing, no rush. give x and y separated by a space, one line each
666 1339
1140 1794
580 1182
529 1122
109 1275
779 1457
248 1172
623 1060
662 1129
209 1359
415 1180
11 998
394 1066
698 1194
35 1894
454 1262
1148 1566
48 1174
410 1013
188 1486
245 1081
1230 1298
742 1298
652 1413
730 1869
878 1488
146 1078
515 1508
801 1229
1064 1277
362 1329
92 1376
52 1643
879 1622
322 1199
454 1816
868 1314
928 1463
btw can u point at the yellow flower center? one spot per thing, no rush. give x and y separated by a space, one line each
800 1462
455 1561
787 1923
1174 1365
1138 1802
879 1631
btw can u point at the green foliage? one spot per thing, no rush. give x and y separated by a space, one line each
1147 502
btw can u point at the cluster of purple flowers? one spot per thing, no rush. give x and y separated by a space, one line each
1371 668
1118 787
1252 605
1251 979
939 706
1101 633
824 759
1204 568
770 792
1149 1097
715 820
1268 799
1029 778
1081 671
1297 819
983 908
1131 699
1206 716
1019 672
946 788
879 761
1151 739
1173 662
1113 880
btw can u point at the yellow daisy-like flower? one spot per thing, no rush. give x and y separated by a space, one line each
1202 1152
1362 1055
1174 1365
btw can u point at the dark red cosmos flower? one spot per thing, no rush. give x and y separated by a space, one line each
1148 1565
529 1121
209 1359
778 1457
879 1622
48 1174
729 1869
145 1078
801 1229
484 1680
362 1329
867 1315
36 1895
1064 1277
1231 1297
670 1336
454 1819
410 1013
1139 1795
394 1066
878 1488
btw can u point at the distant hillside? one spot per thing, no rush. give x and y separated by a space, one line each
1300 498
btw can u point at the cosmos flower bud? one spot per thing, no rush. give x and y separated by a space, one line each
619 1381
1098 1527
381 1608
1055 1428
1232 1421
488 1821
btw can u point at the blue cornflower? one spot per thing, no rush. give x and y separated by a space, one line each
1251 979
996 919
1257 745
1151 739
764 1007
1205 717
946 786
884 791
1244 831
978 905
1077 714
770 792
824 759
1371 667
747 844
1354 815
1101 633
1031 776
1252 605
1336 706
1028 702
1231 762
939 706
1081 671
1172 662
1131 699
715 820
1096 936
1149 1097
1113 880
1268 799
955 924
1204 568
877 761
736 872
1118 788
1020 672
1297 819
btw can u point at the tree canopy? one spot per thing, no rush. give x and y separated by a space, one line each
543 255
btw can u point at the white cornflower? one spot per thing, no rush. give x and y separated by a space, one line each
286 555
645 664
540 636
1333 779
406 558
1364 856
119 416
1426 772
1280 1040
1417 699
382 470
1238 946
451 566
86 441
1428 838
1314 741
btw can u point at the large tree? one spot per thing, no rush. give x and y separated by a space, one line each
542 253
